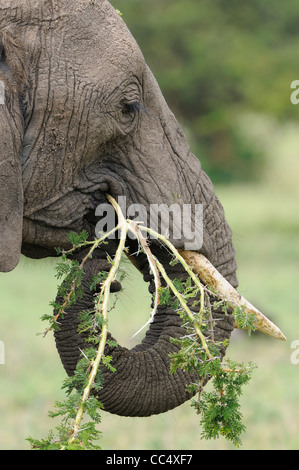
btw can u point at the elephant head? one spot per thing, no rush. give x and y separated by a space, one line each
82 116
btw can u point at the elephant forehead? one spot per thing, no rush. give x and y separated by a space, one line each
102 47
86 32
47 11
105 67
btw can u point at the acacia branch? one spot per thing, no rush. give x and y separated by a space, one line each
178 257
101 310
65 304
103 300
134 228
187 310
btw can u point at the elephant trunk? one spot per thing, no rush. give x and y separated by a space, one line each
142 384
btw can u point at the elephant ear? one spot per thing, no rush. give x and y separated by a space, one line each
12 85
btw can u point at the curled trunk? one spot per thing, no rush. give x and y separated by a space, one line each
142 384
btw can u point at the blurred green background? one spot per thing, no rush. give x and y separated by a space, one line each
225 68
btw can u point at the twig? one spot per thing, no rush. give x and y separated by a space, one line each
186 308
95 244
103 311
183 263
134 228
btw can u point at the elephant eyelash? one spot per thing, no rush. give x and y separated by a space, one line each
2 54
132 108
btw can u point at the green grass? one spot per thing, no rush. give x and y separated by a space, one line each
264 218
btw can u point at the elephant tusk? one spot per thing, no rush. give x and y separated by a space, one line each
212 278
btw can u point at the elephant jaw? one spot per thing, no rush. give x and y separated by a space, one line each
41 240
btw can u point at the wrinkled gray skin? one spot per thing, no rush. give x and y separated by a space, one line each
69 135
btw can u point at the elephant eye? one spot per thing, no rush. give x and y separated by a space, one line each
2 54
132 108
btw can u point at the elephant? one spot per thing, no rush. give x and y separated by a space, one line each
82 116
